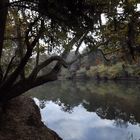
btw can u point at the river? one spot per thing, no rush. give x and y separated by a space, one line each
89 110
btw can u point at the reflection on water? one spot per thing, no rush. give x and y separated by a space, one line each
91 111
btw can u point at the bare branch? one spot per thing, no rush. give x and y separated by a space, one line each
80 42
46 63
103 54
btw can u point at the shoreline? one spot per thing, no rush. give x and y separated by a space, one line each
102 78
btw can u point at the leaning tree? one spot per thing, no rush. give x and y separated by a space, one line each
58 25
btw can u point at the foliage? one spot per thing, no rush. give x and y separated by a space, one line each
92 71
115 70
101 70
118 70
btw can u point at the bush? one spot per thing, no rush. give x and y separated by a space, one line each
100 70
92 71
115 71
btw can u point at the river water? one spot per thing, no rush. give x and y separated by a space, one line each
89 110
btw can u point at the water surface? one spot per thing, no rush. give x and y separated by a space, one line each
88 110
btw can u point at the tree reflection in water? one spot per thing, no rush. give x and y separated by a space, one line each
117 101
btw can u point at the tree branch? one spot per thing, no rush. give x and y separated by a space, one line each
46 63
38 55
12 78
28 31
25 85
80 42
8 68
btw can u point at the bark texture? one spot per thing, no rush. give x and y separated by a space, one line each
19 122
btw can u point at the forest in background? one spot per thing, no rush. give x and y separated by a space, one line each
31 29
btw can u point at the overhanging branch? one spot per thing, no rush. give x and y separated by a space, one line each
46 63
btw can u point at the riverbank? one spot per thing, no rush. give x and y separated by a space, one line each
21 120
98 78
118 71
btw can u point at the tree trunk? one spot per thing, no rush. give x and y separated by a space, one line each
3 15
